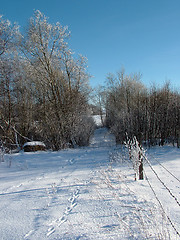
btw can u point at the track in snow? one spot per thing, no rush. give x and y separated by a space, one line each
76 194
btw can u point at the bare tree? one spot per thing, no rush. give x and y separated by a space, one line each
124 105
9 35
99 101
60 80
152 115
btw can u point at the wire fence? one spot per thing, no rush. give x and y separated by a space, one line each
155 173
139 151
172 174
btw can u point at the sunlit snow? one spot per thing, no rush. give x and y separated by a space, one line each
87 193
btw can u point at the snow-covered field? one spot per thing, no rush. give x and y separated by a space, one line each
89 193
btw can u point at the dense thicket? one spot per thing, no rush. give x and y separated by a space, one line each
43 87
152 115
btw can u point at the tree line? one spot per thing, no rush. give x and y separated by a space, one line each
151 114
44 93
43 86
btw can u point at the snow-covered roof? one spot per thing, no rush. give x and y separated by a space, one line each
34 143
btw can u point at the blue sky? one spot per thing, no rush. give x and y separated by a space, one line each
139 35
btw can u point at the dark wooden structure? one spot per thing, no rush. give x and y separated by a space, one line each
34 146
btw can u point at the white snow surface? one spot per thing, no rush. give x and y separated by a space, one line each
98 120
88 193
34 143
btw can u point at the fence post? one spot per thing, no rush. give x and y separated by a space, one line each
141 176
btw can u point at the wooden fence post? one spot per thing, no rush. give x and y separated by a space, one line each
141 176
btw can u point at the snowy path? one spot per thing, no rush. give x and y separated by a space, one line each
76 194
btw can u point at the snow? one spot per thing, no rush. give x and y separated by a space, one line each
98 120
88 193
34 143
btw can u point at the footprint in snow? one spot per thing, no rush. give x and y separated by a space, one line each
73 201
68 210
58 222
51 230
28 234
76 193
71 161
62 220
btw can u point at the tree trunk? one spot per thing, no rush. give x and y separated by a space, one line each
141 176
